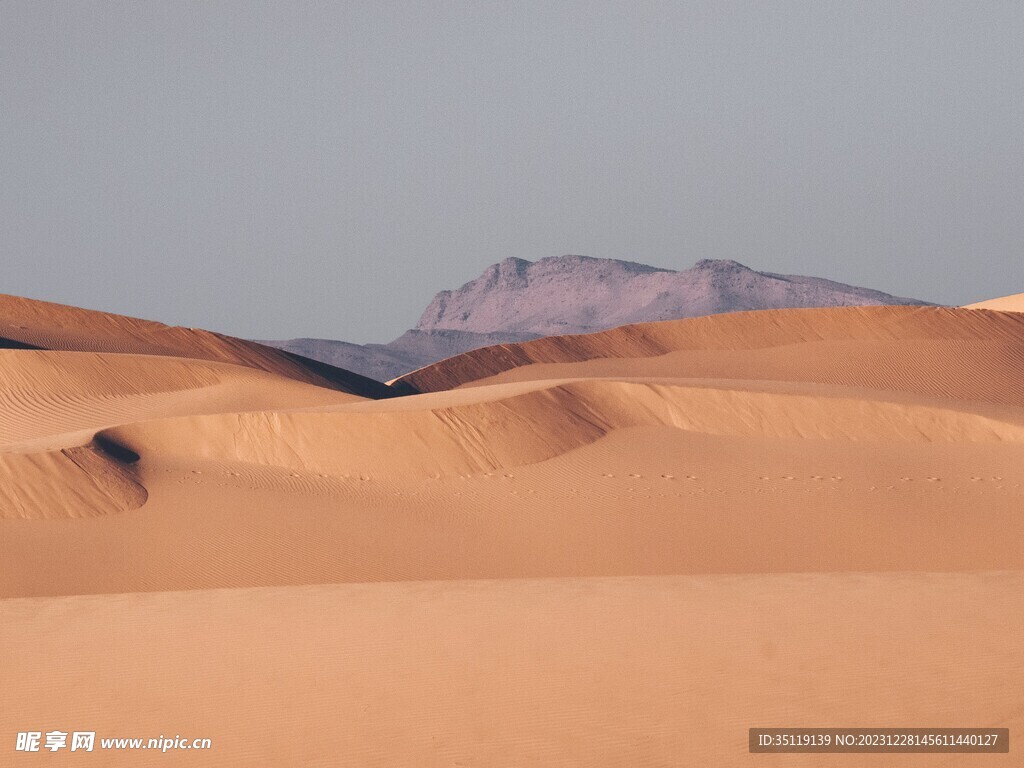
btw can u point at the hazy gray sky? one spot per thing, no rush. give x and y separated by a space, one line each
277 169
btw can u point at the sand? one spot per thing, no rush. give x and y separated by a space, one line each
625 548
25 323
1014 303
595 671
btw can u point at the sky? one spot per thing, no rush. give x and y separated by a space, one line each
283 169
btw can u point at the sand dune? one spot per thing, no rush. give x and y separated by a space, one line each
837 331
74 482
621 548
1014 303
26 323
59 399
53 404
546 423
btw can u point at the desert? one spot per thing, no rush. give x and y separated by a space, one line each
621 547
520 384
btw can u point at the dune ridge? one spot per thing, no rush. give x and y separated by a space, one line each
740 331
59 399
87 480
544 423
44 325
618 548
1014 303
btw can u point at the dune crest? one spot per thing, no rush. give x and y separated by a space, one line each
61 399
736 332
618 548
74 482
27 323
1014 303
528 428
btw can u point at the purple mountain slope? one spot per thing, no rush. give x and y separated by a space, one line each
516 300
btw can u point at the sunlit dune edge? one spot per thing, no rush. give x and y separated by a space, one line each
618 548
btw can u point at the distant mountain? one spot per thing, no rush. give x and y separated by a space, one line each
518 300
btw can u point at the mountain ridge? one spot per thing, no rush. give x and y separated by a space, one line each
517 300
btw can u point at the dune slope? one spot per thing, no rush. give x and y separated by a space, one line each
907 330
552 672
27 323
1014 303
593 473
620 548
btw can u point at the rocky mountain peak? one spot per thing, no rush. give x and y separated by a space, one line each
516 299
